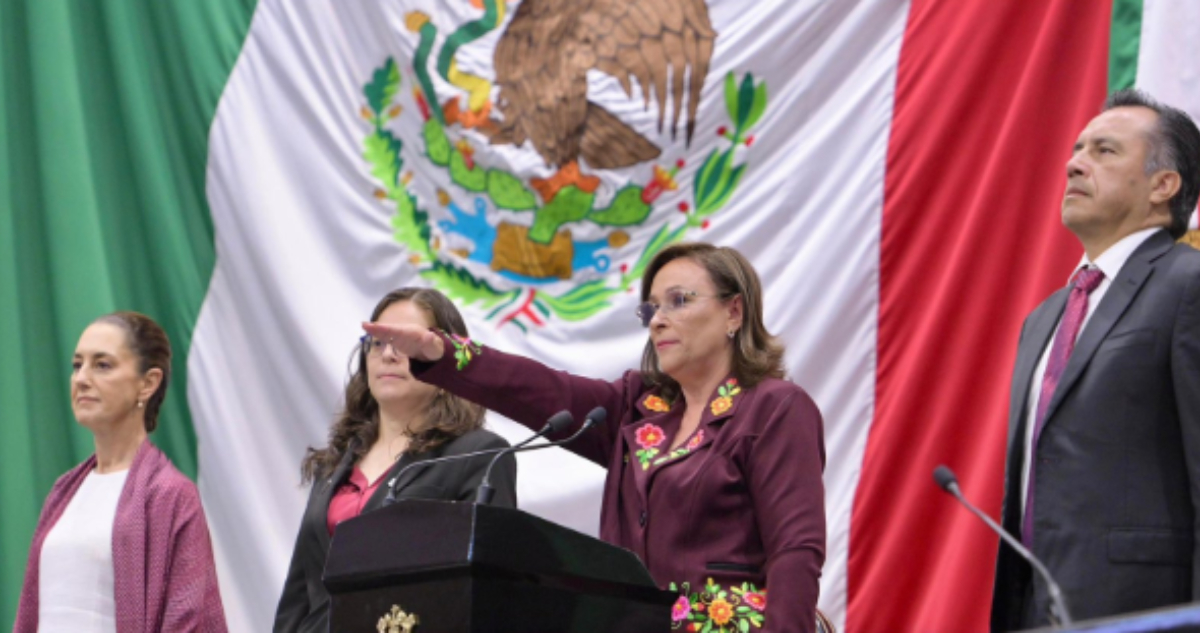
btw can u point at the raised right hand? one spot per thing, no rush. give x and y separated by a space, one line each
412 341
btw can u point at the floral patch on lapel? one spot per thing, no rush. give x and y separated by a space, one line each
682 450
464 350
718 610
725 394
655 403
649 436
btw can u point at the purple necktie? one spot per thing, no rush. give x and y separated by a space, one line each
1087 280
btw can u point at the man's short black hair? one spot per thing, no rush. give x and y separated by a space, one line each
1174 146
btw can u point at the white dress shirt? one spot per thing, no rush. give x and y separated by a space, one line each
75 571
1110 263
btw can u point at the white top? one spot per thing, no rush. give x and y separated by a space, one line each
1110 262
75 573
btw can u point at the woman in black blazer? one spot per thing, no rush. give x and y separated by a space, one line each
390 420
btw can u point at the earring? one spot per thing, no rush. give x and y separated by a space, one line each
730 334
140 404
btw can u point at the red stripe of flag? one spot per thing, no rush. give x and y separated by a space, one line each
989 99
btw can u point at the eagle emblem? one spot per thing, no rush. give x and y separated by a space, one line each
562 242
542 60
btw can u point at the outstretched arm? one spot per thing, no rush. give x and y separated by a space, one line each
519 388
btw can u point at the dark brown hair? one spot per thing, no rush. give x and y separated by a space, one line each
446 418
147 341
757 354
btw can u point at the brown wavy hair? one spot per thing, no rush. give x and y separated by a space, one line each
149 343
757 354
357 426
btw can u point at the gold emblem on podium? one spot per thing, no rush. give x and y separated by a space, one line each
397 621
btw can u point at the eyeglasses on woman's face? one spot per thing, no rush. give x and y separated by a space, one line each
372 346
674 300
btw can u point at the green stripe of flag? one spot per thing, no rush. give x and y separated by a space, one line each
105 109
1124 40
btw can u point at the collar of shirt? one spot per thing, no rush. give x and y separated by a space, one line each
1113 259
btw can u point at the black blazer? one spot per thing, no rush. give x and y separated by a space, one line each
304 605
1118 459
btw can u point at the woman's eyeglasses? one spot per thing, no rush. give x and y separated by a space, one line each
372 346
675 299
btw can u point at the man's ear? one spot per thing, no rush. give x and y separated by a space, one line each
1164 185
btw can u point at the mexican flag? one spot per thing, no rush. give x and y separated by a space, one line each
255 175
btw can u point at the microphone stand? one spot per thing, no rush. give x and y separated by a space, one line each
1059 615
484 494
557 422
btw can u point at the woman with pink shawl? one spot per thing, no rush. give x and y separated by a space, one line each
122 543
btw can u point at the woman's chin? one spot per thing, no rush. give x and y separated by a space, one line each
391 394
94 422
405 394
670 367
86 421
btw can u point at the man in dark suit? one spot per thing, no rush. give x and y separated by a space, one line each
1103 470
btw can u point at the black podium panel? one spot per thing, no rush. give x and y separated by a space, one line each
464 567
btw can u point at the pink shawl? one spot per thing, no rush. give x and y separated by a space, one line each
164 576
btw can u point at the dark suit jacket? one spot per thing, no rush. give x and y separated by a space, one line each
1118 459
304 605
742 506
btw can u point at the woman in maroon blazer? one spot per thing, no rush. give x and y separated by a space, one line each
715 462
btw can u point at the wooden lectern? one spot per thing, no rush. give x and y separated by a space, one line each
442 567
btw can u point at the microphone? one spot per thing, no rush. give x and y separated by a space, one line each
596 416
557 422
1059 615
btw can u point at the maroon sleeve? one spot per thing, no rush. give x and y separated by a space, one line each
785 480
530 392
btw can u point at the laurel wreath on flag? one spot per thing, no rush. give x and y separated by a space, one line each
713 186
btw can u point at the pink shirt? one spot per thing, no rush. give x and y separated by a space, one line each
349 500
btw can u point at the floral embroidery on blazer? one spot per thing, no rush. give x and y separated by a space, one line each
725 394
715 609
464 349
682 450
656 404
649 436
